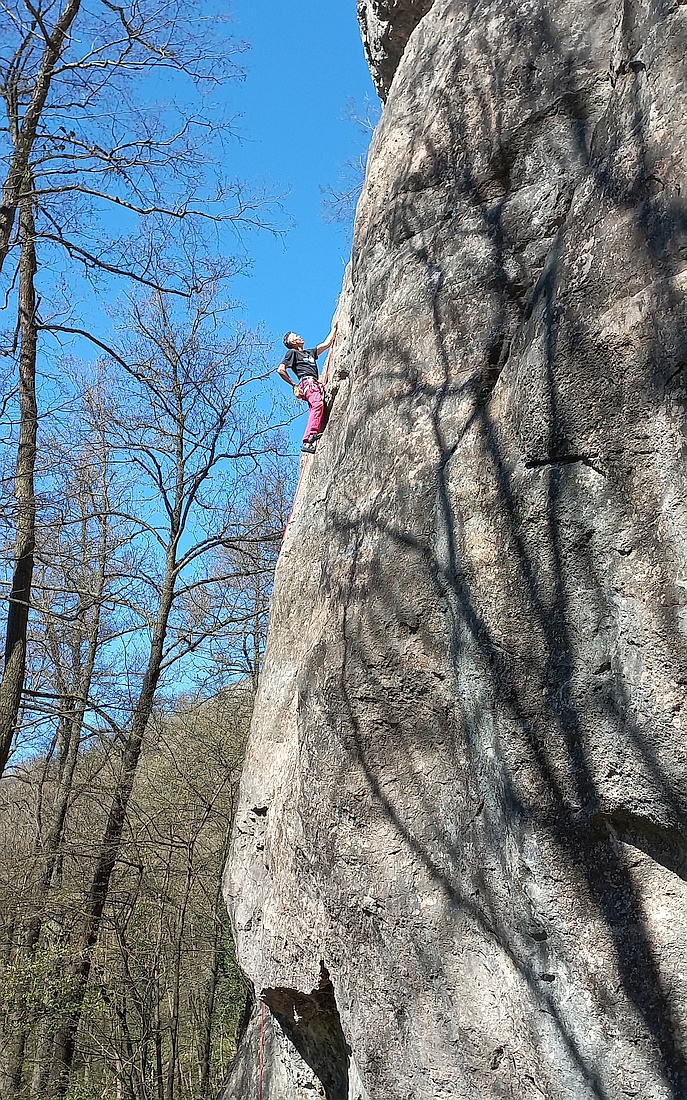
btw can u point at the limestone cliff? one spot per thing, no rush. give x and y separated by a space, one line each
460 856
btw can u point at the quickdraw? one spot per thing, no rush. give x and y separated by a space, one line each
262 1049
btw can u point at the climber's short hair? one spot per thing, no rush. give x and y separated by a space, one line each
286 338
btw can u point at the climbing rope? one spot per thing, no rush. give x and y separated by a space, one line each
325 379
262 1048
327 365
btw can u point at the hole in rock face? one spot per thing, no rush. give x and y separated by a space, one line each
539 934
259 811
311 1022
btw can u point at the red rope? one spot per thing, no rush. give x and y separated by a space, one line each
327 365
262 1048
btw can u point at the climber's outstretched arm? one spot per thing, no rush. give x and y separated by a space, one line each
329 341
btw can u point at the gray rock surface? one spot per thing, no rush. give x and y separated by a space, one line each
386 26
466 784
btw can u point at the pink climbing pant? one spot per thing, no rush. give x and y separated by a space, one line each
311 391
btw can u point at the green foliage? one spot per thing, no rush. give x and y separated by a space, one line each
35 984
80 1091
165 988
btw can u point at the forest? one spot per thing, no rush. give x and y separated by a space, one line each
143 496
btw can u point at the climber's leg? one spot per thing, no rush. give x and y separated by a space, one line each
312 391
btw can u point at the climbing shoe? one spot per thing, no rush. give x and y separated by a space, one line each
308 448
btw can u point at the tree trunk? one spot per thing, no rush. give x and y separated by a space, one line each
25 134
159 1071
41 1059
12 683
53 834
65 1039
172 1075
18 613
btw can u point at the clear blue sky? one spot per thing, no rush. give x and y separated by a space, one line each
306 62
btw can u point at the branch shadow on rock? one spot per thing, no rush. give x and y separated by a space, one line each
538 703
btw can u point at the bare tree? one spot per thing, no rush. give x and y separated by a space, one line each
110 184
191 426
20 594
123 583
241 585
86 137
158 508
32 36
75 554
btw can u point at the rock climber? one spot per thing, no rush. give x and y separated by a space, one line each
308 387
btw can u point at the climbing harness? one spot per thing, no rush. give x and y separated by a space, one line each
306 463
262 1048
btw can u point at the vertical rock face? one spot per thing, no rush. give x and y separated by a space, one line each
466 787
